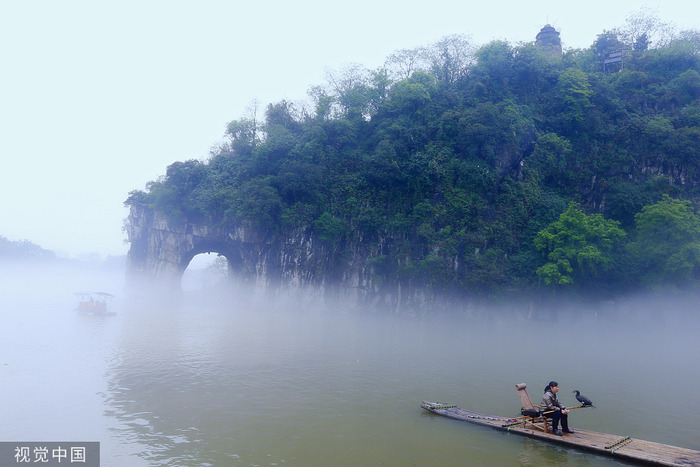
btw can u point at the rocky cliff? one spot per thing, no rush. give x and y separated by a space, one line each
286 264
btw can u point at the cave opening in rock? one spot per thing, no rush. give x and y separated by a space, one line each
205 271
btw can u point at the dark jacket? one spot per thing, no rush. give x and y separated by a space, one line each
550 402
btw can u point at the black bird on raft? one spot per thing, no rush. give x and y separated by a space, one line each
585 401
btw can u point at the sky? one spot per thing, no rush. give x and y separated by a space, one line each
97 97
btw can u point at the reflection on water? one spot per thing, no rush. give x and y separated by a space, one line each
242 385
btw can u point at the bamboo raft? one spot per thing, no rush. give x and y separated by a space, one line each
624 448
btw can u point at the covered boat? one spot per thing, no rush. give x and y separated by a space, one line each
94 303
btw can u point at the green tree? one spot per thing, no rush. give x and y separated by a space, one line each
259 205
667 246
551 159
352 88
495 60
244 135
330 228
534 71
606 43
577 246
572 98
408 96
175 194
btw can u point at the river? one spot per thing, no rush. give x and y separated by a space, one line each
205 383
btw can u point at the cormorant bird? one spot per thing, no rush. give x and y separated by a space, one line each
585 401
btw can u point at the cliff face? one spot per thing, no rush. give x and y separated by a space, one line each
274 264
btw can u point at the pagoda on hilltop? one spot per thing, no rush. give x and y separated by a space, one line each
548 39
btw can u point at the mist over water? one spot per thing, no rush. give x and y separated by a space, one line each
224 380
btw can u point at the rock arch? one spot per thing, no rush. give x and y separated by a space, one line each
234 259
292 265
161 251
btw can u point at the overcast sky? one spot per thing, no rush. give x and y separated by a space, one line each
98 97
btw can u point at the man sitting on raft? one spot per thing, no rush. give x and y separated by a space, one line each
556 410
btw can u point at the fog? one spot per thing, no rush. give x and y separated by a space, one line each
217 376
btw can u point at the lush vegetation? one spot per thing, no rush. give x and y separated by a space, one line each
481 170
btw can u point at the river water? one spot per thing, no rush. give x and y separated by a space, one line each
202 382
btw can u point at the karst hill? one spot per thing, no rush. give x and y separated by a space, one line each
456 170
